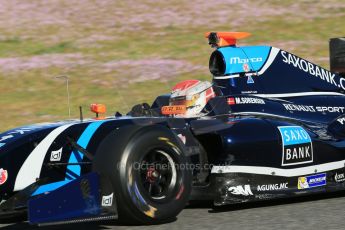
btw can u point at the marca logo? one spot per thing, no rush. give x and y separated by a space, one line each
312 69
339 177
297 145
272 187
237 60
3 176
241 190
56 155
312 181
107 201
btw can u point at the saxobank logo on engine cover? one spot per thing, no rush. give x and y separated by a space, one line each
297 145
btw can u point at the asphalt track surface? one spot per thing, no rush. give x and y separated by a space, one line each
317 212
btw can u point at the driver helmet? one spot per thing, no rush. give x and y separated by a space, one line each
193 94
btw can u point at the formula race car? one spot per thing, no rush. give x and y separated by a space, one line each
274 129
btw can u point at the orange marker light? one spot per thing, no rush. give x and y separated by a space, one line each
173 110
220 39
98 109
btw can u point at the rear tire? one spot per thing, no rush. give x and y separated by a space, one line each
148 171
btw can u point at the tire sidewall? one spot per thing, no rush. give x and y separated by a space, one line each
130 195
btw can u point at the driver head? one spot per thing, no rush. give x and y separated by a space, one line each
193 94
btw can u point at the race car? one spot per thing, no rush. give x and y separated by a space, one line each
273 127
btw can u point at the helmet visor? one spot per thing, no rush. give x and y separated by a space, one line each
188 102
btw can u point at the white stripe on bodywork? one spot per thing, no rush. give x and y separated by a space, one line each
227 76
273 55
278 171
301 94
31 168
264 114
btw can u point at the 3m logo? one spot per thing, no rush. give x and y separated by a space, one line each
241 190
107 201
56 155
297 145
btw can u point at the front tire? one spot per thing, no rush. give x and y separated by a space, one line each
148 171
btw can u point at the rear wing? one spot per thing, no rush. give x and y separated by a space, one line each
337 55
